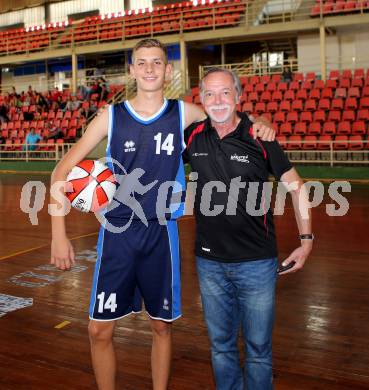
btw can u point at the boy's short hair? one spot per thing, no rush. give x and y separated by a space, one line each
150 42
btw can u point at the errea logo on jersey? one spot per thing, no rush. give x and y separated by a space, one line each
129 146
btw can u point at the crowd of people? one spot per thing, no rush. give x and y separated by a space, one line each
53 100
13 103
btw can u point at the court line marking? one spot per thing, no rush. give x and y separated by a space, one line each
62 325
44 246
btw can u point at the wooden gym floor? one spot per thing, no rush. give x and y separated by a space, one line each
321 337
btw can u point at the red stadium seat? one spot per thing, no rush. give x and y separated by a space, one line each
314 128
59 114
253 97
324 142
307 85
327 93
364 102
279 117
294 142
347 74
356 82
329 128
334 74
285 129
289 95
340 93
283 86
271 87
306 116
359 73
365 92
348 115
319 116
319 84
294 86
285 106
297 105
351 104
277 96
363 115
301 94
337 104
324 104
292 117
331 84
355 142
344 83
353 92
72 133
344 128
298 77
248 88
341 142
334 116
266 97
272 107
260 107
314 94
248 107
259 88
300 128
310 105
359 128
309 142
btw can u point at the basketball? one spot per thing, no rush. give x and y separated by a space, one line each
90 186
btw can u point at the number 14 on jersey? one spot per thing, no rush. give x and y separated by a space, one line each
166 145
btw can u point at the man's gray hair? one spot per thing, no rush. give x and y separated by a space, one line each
235 78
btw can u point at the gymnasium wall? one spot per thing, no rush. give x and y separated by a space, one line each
346 48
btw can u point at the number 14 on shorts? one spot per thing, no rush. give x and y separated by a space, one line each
108 304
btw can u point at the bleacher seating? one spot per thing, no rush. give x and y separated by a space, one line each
338 7
162 19
69 122
307 107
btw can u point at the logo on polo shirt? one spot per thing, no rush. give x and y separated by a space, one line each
199 154
129 146
242 159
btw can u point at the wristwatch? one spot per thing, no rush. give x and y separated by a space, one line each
306 236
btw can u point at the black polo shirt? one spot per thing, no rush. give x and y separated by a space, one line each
227 228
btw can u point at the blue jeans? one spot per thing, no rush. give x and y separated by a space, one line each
238 295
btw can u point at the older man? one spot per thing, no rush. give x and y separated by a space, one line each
236 250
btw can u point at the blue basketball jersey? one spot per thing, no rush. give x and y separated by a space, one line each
149 152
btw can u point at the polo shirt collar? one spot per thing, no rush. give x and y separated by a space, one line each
237 131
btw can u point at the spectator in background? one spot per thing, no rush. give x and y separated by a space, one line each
104 93
73 104
54 132
30 90
55 94
83 92
32 140
14 92
4 113
41 102
287 75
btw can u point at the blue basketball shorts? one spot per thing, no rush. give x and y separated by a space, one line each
140 263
